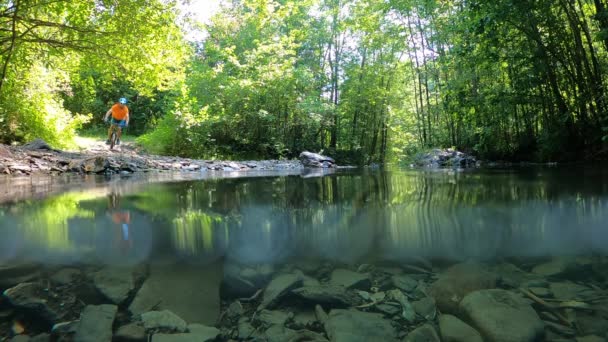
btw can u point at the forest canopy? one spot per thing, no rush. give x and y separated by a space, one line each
362 80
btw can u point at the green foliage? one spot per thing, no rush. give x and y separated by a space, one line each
366 81
36 111
90 53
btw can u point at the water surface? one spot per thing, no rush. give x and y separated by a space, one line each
347 217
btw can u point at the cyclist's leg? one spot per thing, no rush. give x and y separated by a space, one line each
109 133
119 126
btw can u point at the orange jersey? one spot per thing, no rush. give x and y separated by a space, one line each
121 217
119 111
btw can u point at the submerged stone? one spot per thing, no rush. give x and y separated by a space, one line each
184 337
163 320
404 282
270 318
502 316
190 292
278 287
33 298
556 267
327 294
425 308
132 332
66 276
205 332
14 274
452 329
96 323
357 326
114 283
350 279
424 333
459 280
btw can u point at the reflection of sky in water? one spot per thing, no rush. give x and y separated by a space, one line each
343 217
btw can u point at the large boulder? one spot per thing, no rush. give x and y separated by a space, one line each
441 158
459 280
190 292
502 316
310 159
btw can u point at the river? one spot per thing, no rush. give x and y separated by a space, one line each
269 223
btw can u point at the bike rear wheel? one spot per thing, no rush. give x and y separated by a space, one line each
113 137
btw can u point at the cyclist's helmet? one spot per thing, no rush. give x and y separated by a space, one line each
122 100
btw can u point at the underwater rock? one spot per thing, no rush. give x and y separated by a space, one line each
114 283
132 332
404 282
591 324
235 309
272 317
357 326
424 333
452 329
459 280
389 309
185 337
425 308
189 291
163 320
278 287
65 276
245 329
567 290
556 267
205 332
327 294
32 297
502 316
14 274
350 279
278 333
96 323
304 318
513 276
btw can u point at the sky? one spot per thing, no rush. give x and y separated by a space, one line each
201 10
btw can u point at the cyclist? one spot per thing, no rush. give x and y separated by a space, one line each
120 118
121 219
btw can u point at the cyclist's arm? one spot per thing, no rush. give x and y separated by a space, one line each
108 113
127 118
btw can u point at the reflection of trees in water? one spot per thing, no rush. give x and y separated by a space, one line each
343 217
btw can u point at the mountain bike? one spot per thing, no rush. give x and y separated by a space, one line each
113 135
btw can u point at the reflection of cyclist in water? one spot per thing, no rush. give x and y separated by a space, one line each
121 220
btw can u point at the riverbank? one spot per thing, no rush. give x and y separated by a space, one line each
39 158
